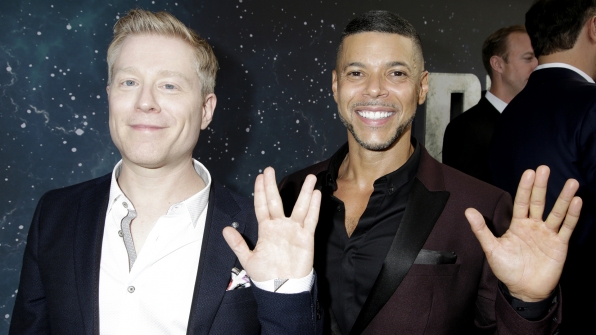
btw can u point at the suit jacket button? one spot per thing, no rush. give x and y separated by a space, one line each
235 225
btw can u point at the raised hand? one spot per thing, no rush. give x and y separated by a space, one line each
529 257
285 248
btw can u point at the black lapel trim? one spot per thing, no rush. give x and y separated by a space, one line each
89 226
216 261
422 212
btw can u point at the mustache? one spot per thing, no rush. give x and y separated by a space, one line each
373 103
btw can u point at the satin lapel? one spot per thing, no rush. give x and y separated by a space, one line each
89 225
216 262
422 212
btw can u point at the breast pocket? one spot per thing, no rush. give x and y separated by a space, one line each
237 314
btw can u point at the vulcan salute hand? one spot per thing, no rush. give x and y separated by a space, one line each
529 257
285 248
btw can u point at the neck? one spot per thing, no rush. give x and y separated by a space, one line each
161 186
363 166
578 57
500 91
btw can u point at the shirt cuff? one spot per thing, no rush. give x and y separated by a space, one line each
531 311
299 285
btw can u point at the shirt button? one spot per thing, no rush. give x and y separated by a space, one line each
124 204
120 233
131 289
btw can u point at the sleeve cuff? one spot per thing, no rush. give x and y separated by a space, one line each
531 311
299 285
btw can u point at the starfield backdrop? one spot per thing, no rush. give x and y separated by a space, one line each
274 98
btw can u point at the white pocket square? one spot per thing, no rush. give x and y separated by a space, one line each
239 280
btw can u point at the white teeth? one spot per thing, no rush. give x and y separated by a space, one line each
374 115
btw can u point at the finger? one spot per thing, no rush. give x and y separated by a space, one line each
562 205
538 197
237 244
521 204
261 208
483 234
571 219
302 205
310 222
274 204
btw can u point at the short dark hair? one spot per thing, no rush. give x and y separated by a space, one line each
554 25
497 44
381 21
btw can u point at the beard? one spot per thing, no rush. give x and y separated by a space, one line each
377 146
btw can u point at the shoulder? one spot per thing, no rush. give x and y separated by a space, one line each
465 192
72 194
290 185
227 199
478 113
294 180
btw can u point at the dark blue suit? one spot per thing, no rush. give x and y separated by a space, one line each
552 121
58 291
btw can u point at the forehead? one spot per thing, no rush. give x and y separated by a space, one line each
519 41
155 53
376 48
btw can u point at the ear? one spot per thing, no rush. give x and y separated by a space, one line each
591 27
496 63
108 89
423 89
334 84
208 108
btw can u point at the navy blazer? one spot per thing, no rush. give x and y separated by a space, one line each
59 286
552 121
467 140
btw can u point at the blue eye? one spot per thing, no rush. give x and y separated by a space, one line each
169 86
129 83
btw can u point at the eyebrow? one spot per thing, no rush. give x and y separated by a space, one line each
389 64
162 73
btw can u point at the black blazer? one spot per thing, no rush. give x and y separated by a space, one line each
467 140
552 121
59 286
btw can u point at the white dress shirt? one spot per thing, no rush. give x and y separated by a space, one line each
496 102
153 295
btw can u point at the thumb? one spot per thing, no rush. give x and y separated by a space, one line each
483 234
237 244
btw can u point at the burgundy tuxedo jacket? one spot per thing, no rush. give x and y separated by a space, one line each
460 298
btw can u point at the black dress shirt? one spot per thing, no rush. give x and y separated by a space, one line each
349 266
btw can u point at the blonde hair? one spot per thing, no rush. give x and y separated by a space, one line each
139 21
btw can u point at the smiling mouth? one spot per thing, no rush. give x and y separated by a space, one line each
374 115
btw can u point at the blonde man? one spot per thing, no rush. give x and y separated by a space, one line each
143 250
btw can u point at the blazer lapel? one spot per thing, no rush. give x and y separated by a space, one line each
88 226
423 210
216 262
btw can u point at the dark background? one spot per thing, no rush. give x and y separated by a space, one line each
274 98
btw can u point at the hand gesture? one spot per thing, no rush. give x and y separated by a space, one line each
529 257
285 248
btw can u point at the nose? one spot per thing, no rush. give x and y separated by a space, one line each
375 86
146 101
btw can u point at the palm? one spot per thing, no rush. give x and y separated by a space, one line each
529 257
285 248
